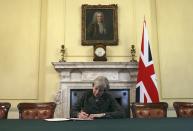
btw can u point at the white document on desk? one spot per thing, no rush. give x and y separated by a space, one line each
78 119
98 115
57 119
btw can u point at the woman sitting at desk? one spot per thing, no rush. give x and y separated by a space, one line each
98 103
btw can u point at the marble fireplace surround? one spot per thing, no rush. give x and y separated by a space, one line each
80 75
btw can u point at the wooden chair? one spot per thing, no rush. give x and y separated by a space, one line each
183 109
149 110
36 110
4 109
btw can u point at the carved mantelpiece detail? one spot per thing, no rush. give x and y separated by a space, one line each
80 75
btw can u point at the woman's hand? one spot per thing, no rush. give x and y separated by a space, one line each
83 115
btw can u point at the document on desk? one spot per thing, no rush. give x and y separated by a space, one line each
78 119
100 115
66 119
57 119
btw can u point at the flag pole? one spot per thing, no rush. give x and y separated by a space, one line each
144 20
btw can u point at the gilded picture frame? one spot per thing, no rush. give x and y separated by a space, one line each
99 25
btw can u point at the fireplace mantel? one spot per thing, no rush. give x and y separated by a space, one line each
80 75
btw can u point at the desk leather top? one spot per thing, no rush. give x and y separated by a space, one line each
164 124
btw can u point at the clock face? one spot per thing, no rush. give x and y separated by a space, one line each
100 51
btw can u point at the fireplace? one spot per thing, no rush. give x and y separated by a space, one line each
76 77
120 95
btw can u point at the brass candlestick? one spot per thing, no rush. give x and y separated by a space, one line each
132 52
62 51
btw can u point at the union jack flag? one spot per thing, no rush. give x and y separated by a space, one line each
146 88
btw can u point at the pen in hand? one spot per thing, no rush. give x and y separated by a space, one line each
84 115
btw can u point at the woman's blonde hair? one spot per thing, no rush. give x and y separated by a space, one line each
101 82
